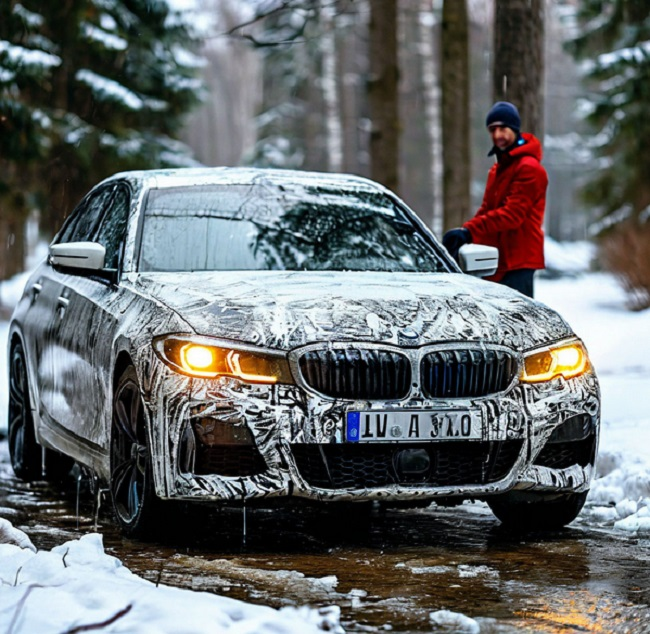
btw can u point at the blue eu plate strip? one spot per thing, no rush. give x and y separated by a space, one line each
352 429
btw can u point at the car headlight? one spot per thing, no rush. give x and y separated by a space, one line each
566 359
206 358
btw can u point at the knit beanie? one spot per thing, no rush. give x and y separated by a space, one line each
504 113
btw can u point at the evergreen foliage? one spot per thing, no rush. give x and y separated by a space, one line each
289 43
88 88
614 44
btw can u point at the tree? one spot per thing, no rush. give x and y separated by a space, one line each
382 93
420 160
518 67
292 125
614 42
97 87
454 78
23 131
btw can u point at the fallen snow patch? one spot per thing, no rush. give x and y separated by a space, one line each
77 586
621 496
448 621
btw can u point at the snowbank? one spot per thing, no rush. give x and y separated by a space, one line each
77 584
595 306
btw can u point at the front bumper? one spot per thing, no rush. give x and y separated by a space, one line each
291 443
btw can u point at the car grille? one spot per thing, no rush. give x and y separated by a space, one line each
360 466
371 374
466 373
355 373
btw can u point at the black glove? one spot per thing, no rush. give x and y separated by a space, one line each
454 239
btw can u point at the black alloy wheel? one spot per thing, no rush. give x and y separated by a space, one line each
25 453
134 500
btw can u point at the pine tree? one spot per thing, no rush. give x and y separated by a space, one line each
614 43
90 87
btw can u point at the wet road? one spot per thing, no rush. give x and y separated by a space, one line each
388 570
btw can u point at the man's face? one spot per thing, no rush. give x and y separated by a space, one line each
502 136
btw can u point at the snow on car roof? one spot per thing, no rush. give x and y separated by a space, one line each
162 178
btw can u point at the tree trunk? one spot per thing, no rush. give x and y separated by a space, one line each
455 113
518 68
329 83
382 93
428 31
353 68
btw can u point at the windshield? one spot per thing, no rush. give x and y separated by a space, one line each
275 227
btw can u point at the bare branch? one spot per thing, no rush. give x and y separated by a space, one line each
102 624
260 16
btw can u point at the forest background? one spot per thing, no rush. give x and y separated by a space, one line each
392 89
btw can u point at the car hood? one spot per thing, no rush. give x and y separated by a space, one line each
284 310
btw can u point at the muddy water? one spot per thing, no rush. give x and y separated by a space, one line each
387 569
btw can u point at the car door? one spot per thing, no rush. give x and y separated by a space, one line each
70 387
86 324
42 322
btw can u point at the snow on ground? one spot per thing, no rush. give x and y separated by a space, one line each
47 591
619 347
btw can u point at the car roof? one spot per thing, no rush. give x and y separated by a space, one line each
188 176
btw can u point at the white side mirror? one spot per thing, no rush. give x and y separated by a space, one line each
88 256
478 260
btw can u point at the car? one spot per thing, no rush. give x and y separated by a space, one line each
224 335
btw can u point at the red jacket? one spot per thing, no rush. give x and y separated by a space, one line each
512 212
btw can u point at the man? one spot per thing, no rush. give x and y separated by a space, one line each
512 213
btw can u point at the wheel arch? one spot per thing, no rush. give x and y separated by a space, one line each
122 362
16 338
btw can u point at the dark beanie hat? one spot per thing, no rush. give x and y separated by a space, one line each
504 113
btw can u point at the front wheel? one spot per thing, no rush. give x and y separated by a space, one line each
134 500
25 453
527 511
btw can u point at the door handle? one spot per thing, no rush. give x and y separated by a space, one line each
37 287
61 305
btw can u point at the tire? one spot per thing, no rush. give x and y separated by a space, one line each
523 511
135 503
25 453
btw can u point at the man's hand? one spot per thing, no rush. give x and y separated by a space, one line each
454 239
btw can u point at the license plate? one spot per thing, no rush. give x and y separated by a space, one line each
414 425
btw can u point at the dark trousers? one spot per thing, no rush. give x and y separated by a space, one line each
521 280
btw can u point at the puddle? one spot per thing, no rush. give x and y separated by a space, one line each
387 570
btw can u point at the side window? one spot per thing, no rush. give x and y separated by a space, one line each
113 228
85 217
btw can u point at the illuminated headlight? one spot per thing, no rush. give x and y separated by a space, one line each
566 359
205 358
